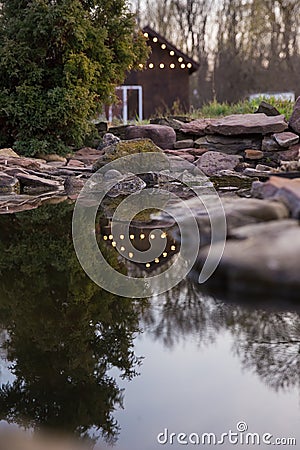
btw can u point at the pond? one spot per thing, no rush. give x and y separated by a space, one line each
135 373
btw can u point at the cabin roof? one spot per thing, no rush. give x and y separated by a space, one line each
186 59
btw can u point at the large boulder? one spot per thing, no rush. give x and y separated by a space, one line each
126 148
163 136
211 163
294 122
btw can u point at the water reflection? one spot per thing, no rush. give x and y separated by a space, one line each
65 333
267 342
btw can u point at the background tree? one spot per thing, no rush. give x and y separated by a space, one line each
59 62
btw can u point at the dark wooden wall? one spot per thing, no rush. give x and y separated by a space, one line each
161 87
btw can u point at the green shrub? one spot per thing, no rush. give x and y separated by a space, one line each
59 62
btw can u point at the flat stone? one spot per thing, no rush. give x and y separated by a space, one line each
265 264
294 122
286 139
52 157
237 124
197 127
8 152
33 181
250 172
181 153
76 163
26 163
163 136
87 155
211 163
8 184
288 191
267 109
228 144
254 154
292 154
187 143
168 121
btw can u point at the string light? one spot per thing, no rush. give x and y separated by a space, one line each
155 39
148 265
152 236
163 235
142 236
146 35
189 65
110 237
182 66
114 244
141 66
161 65
180 59
151 65
172 66
105 238
122 249
130 254
165 254
156 260
173 248
163 46
131 236
172 53
122 237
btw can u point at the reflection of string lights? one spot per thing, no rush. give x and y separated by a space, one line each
162 65
180 59
146 35
151 65
189 65
172 66
121 237
155 39
141 66
163 46
182 66
172 53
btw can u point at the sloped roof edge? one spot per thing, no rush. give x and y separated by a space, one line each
152 33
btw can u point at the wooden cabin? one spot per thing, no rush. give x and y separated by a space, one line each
163 83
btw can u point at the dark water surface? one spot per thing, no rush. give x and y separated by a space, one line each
72 354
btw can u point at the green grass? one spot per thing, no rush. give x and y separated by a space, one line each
215 109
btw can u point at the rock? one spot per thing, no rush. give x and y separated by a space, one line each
229 145
294 122
270 145
264 265
8 184
179 164
26 163
229 178
126 148
267 109
128 185
73 184
8 152
33 181
286 139
284 189
292 154
108 139
197 127
87 155
168 121
263 168
52 157
76 163
188 143
211 163
163 136
254 154
197 152
250 172
237 124
181 153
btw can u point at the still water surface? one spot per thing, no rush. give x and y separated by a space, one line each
73 354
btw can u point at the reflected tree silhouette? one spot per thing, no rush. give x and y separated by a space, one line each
65 333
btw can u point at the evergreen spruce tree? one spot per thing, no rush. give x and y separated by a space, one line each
59 63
